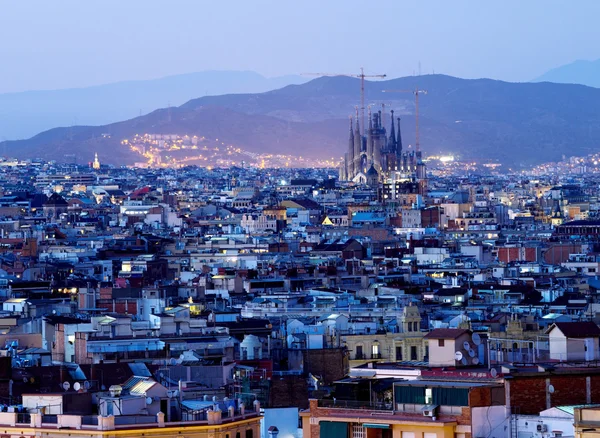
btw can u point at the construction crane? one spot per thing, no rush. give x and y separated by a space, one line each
362 77
416 92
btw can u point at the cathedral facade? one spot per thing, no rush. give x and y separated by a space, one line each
374 158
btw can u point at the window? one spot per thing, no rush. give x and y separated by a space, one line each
415 326
428 396
413 353
398 353
375 351
441 342
249 433
237 435
450 396
359 352
358 431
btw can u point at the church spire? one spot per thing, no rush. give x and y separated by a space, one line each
370 151
350 154
399 140
392 140
357 146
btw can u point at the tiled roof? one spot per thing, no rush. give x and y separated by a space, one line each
583 329
446 333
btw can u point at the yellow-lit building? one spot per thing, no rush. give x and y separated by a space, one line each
587 422
407 345
388 408
344 422
32 425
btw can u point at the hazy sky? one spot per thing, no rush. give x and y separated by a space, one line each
73 43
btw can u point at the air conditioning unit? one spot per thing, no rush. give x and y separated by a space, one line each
541 427
429 410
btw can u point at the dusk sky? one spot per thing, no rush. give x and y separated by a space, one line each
74 43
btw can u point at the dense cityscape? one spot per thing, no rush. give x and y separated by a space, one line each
398 291
391 231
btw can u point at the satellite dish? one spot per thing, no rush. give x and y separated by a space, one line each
25 379
551 389
66 386
466 345
148 400
475 361
494 372
173 361
77 386
472 352
476 338
458 356
86 385
464 361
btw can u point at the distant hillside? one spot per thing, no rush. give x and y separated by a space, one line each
521 123
578 72
25 114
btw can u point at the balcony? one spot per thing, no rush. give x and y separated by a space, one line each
355 404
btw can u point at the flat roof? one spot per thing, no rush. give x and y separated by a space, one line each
445 383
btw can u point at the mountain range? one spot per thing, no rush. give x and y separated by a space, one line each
578 72
512 123
25 114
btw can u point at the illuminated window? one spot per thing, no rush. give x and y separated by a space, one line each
375 350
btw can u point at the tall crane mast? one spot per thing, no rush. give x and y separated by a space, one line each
416 92
362 77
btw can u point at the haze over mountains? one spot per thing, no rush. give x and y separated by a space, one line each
25 114
514 123
577 72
